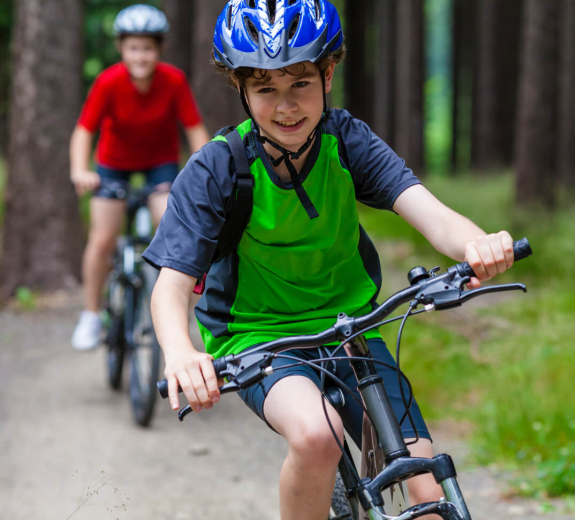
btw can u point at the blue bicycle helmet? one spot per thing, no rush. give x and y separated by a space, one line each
272 34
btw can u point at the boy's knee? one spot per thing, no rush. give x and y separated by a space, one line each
316 442
102 243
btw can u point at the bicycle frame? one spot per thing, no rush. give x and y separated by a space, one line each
399 465
435 293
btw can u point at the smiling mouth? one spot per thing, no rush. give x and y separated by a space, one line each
288 124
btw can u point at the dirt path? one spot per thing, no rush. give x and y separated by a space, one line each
64 435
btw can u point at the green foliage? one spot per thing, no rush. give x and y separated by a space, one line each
26 299
508 367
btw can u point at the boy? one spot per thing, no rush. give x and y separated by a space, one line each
136 105
303 257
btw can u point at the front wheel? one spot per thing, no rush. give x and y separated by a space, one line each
145 356
114 326
340 507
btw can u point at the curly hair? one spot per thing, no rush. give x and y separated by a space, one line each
240 75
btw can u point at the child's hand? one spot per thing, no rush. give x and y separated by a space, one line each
489 255
195 374
85 181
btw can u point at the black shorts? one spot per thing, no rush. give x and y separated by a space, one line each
114 183
351 413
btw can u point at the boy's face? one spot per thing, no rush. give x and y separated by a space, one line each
288 105
140 54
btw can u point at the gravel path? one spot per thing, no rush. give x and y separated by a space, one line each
65 437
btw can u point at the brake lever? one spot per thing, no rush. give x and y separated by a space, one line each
241 374
468 295
229 387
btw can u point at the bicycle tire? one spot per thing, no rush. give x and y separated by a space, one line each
340 507
116 353
145 356
114 323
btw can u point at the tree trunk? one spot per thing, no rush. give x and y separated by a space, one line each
567 96
361 59
220 105
42 234
409 84
536 150
498 37
179 41
384 102
464 37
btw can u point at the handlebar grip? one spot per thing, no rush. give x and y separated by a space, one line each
521 250
220 365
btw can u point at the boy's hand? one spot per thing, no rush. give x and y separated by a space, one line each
85 181
489 255
195 374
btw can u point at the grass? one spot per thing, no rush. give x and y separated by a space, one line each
510 368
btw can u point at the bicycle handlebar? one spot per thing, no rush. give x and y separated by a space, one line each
452 279
521 250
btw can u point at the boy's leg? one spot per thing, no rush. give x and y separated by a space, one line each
158 202
423 488
106 218
293 407
160 179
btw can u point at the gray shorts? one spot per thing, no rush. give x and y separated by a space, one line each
351 413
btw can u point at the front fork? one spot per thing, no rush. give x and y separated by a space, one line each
399 464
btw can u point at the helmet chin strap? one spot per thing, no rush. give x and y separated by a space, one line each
287 155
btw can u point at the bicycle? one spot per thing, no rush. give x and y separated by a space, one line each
128 318
386 461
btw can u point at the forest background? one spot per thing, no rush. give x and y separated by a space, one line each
478 96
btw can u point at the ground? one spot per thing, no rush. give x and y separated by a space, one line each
67 439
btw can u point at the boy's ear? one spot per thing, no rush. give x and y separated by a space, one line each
329 77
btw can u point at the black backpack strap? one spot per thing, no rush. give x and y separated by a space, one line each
239 217
224 131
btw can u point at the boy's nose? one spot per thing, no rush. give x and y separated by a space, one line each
286 105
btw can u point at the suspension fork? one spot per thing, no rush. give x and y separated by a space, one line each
370 386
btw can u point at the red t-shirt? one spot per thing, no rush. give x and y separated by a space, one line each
137 130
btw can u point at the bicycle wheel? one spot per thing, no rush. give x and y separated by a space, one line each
340 507
114 324
396 498
145 354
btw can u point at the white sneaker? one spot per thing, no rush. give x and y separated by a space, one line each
87 333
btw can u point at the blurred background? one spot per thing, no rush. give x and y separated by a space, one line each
478 96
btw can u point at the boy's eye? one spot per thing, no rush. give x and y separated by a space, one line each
301 84
265 90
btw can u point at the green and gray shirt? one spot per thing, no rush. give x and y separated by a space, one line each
290 274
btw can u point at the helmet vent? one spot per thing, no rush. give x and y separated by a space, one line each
318 10
251 4
292 2
293 27
272 10
252 31
229 18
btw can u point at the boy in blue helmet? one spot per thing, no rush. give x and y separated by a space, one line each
303 256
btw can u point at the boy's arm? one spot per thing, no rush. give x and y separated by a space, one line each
197 136
80 147
185 366
455 235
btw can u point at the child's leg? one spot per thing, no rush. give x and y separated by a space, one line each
423 488
106 218
293 407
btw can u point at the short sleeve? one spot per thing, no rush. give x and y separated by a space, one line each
95 106
188 233
188 112
379 175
